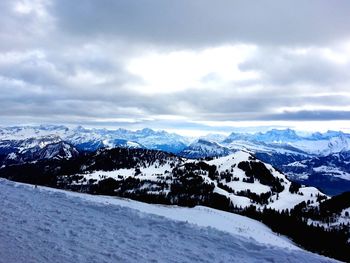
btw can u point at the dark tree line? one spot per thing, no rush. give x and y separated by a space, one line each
329 242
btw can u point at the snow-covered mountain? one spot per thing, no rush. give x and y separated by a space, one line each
313 144
49 225
26 132
203 148
31 149
94 139
32 143
59 150
274 140
277 136
283 147
52 151
21 145
271 136
158 140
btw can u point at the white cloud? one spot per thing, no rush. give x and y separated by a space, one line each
31 7
191 69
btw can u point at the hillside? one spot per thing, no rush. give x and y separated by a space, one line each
46 225
237 180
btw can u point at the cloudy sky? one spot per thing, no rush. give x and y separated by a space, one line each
185 65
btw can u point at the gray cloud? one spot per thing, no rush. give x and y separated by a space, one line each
323 115
199 22
65 61
262 105
282 67
23 31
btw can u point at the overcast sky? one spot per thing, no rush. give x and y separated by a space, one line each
179 65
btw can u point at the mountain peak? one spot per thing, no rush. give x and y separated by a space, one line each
146 131
204 148
277 135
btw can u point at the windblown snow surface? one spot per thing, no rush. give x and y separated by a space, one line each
49 225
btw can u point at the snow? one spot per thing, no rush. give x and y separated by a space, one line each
284 143
313 147
297 164
287 200
12 156
342 218
230 163
295 176
147 173
132 144
26 132
240 201
150 172
48 225
226 162
347 210
98 175
281 201
257 187
324 146
253 146
214 137
334 171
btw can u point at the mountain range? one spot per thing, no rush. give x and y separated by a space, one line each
316 159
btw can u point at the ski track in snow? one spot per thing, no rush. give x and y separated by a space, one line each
47 225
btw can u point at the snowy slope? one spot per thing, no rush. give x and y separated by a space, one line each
229 179
47 225
278 201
